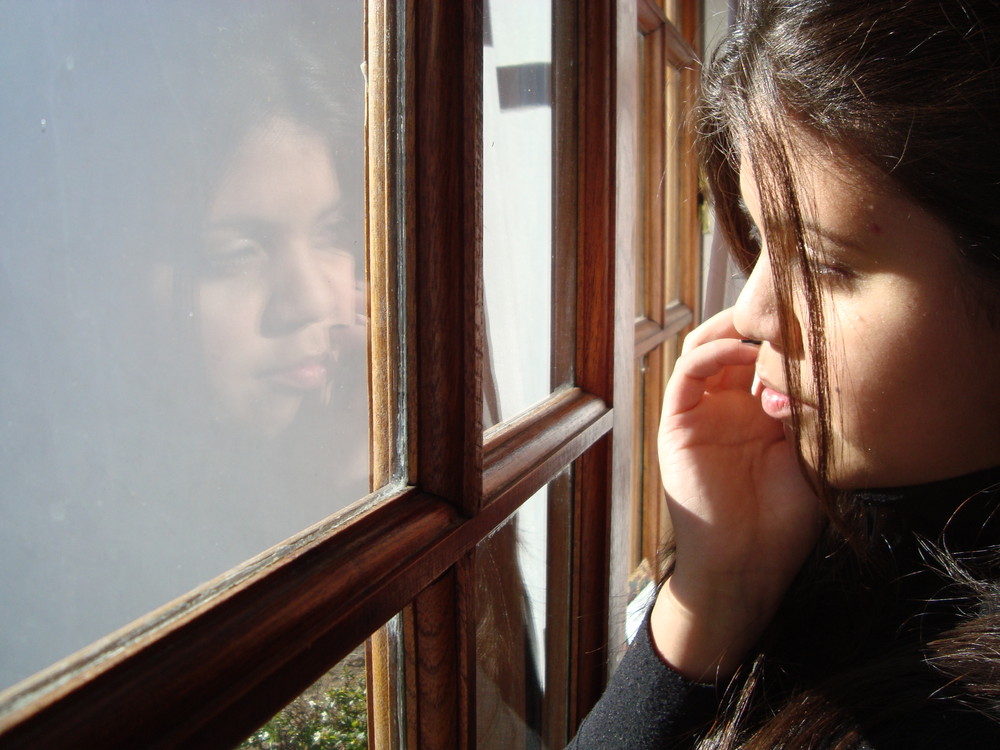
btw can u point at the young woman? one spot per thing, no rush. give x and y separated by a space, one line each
829 445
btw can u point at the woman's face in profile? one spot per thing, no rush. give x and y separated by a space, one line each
277 278
912 374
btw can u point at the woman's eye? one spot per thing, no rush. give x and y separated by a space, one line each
830 268
235 258
333 234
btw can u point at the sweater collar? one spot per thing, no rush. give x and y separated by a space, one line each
963 512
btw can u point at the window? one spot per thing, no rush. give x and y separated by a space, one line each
461 472
667 267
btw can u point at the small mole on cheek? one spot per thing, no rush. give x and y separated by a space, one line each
875 228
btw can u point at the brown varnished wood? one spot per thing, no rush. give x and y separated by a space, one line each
441 641
600 278
444 257
213 665
285 618
444 247
627 82
381 220
690 229
565 196
558 621
648 335
650 16
533 448
384 345
678 51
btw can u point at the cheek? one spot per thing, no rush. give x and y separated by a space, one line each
229 319
339 275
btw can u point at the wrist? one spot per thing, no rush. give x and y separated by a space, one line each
704 633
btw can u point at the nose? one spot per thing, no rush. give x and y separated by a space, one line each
310 286
756 314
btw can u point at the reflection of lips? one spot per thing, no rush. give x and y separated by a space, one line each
307 375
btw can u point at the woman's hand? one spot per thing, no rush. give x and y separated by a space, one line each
744 516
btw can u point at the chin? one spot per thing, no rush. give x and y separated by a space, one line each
265 417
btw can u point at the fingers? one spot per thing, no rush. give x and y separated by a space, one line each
719 326
696 368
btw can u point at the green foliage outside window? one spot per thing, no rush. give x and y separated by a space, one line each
332 715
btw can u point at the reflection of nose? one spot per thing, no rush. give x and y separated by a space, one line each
756 314
345 295
307 289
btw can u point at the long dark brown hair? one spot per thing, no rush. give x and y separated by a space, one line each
910 88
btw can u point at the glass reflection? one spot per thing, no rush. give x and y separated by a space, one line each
183 381
517 205
522 606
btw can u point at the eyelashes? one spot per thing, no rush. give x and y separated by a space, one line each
820 262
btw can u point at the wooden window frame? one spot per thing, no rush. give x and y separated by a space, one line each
208 669
666 317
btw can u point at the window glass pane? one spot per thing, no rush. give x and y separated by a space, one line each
522 635
331 713
183 378
517 204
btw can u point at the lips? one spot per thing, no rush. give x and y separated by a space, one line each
775 404
307 374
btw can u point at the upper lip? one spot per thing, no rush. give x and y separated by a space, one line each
768 383
297 364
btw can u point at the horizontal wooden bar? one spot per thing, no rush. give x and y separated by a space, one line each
523 455
297 608
679 51
650 16
308 601
649 334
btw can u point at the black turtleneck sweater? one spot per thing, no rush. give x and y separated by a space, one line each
891 620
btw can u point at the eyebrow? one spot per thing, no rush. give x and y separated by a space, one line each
810 227
257 227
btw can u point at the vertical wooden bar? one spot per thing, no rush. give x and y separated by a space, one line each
555 723
440 694
444 236
381 218
381 169
445 336
624 101
653 131
690 229
604 330
565 85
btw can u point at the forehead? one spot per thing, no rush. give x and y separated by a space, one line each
848 207
825 178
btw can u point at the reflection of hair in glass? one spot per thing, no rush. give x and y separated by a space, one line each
119 126
147 126
909 87
143 107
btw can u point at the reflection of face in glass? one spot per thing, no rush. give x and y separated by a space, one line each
277 278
